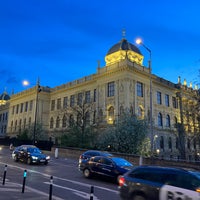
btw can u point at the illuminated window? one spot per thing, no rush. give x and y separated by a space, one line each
111 115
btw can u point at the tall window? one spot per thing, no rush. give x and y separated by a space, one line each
31 105
87 97
80 98
170 143
26 106
174 102
159 98
52 104
21 107
140 89
160 121
162 142
111 115
13 110
65 101
57 122
167 100
167 121
64 121
17 110
51 122
72 100
58 103
111 89
95 95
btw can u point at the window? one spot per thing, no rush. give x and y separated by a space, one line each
17 110
160 122
65 101
21 107
111 115
167 121
170 143
59 104
162 142
64 121
72 100
31 105
51 123
80 99
57 122
111 89
159 98
71 120
167 100
87 97
26 106
13 110
139 89
174 102
95 94
52 104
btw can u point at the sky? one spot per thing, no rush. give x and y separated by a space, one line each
59 41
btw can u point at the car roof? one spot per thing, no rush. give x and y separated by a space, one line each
27 146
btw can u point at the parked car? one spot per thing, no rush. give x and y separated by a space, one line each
159 183
90 153
105 166
29 154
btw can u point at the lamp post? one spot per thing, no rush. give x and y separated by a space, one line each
139 41
38 89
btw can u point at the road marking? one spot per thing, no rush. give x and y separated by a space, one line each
77 192
67 180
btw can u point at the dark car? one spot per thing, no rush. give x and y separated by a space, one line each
159 183
90 153
106 166
29 154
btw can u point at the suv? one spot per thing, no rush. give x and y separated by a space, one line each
90 153
159 183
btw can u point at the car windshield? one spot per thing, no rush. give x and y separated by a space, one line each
196 173
34 150
122 162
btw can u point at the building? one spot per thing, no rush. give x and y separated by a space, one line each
122 84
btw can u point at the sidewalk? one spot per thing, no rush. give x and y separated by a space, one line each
13 191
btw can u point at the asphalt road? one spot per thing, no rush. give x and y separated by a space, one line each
61 175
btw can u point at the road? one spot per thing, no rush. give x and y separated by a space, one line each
61 173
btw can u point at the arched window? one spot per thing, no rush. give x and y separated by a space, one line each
167 121
162 142
57 122
160 121
51 123
111 115
170 143
71 120
64 121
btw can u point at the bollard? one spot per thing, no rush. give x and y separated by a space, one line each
51 188
140 160
24 181
56 153
91 192
4 175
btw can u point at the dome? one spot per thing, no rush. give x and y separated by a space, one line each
123 45
4 96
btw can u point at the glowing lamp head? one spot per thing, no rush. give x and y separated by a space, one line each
138 41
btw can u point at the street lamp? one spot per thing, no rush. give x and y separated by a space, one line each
139 41
38 89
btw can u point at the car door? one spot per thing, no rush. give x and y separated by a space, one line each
107 167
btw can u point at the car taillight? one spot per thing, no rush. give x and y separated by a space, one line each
121 181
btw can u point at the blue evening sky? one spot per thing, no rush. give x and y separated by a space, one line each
61 40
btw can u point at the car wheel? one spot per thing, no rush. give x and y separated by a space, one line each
138 197
87 173
29 161
15 158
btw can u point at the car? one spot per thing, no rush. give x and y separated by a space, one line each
90 153
29 154
159 183
112 167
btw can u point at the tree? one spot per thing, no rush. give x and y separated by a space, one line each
128 135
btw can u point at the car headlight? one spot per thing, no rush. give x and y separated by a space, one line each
34 157
48 157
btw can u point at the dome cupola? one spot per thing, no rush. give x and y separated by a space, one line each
123 50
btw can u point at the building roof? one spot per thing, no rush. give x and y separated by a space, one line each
123 45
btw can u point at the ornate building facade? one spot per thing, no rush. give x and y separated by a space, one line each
122 84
